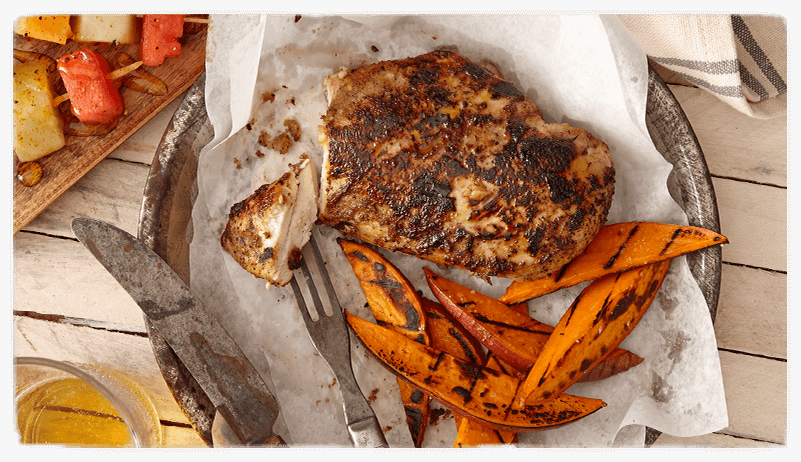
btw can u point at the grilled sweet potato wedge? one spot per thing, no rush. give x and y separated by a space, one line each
394 304
617 248
602 316
472 433
389 293
474 391
451 337
509 332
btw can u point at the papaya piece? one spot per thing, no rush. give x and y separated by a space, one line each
510 333
599 319
617 248
395 304
474 391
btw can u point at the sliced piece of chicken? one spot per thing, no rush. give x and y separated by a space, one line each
266 232
434 156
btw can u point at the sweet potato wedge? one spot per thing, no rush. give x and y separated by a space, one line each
451 337
510 333
474 391
602 316
389 293
472 433
396 305
617 248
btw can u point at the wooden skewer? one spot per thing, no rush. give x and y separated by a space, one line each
117 73
60 99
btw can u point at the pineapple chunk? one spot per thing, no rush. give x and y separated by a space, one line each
38 128
51 28
106 28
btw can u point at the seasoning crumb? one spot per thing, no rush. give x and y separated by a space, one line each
280 143
374 48
283 141
238 165
293 128
268 96
297 18
373 395
259 153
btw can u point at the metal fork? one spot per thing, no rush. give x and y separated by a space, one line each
330 336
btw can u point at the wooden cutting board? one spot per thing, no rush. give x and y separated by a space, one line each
64 167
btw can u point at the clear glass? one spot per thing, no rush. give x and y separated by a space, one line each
82 405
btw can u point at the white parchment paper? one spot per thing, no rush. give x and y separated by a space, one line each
585 70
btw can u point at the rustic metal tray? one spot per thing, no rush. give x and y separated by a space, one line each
165 222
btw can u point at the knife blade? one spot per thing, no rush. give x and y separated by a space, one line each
209 353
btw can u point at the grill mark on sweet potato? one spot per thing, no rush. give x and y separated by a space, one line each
414 419
468 352
463 392
671 241
361 256
386 283
436 363
562 272
486 320
622 247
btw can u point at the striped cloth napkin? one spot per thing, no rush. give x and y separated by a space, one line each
740 59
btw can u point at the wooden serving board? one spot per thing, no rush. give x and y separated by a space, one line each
64 167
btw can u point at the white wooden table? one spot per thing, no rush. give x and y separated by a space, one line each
67 307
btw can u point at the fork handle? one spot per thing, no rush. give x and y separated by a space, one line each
367 434
363 426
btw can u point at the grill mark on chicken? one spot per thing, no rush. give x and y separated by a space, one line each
436 157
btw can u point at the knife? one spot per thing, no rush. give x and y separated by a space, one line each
209 353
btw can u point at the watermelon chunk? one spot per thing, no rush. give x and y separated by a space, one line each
160 33
95 98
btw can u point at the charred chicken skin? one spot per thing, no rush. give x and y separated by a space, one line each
437 157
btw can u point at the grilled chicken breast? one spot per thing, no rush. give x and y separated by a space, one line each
266 232
435 156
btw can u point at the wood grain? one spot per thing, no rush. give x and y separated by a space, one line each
64 167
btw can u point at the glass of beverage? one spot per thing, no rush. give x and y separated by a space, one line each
82 405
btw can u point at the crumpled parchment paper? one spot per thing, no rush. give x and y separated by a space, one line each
586 70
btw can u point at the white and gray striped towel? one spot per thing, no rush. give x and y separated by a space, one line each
740 59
